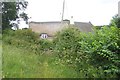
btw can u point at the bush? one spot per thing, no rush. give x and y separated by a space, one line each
20 38
67 44
85 51
26 39
104 48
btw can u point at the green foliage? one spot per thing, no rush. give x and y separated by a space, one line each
26 35
26 39
104 48
115 21
67 44
91 55
0 36
45 45
22 63
10 12
86 50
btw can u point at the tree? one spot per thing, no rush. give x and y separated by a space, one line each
115 21
10 12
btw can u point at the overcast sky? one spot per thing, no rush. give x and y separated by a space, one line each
98 12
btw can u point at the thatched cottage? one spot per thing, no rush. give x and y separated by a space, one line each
48 29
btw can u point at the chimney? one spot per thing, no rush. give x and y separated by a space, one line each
71 20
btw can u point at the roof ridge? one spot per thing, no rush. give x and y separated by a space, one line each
81 22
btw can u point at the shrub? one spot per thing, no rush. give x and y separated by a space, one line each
104 48
67 44
85 51
26 39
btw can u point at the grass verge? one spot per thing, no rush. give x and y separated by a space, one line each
20 63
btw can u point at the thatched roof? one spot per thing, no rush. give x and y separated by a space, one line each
52 27
84 26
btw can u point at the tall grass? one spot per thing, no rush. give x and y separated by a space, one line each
20 63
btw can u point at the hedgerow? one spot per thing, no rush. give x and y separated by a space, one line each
67 44
100 49
26 39
104 48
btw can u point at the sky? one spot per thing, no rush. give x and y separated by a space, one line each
98 12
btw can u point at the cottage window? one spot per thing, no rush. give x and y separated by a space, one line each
43 36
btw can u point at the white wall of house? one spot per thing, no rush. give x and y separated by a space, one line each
49 28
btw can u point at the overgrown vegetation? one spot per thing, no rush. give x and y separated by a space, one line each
21 63
104 49
88 55
70 54
26 39
115 21
87 50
